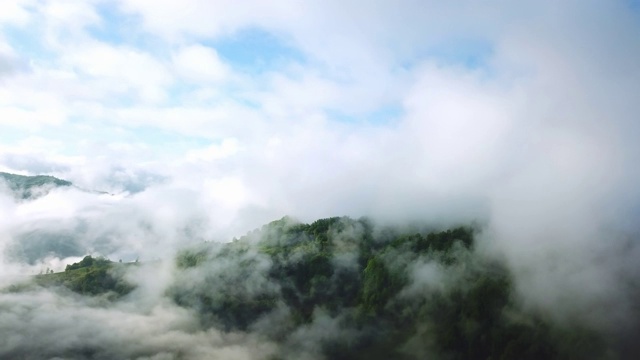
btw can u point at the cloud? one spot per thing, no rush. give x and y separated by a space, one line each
228 147
62 325
538 142
122 69
14 12
199 63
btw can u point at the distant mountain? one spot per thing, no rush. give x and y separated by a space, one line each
29 187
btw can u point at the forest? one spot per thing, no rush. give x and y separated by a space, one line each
29 187
367 292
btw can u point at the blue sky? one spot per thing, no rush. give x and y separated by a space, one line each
317 94
62 45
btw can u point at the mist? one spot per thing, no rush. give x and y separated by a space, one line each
517 121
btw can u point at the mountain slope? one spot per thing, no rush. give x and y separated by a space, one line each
91 276
361 292
29 187
340 288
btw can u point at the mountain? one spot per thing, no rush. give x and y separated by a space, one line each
90 276
30 187
377 293
340 288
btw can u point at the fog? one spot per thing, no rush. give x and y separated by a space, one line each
533 141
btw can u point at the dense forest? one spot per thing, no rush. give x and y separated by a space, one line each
90 276
345 289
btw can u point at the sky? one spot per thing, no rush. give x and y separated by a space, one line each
205 119
220 117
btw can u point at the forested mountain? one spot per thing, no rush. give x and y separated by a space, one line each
28 187
90 276
340 288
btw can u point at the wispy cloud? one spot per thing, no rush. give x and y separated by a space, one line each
521 115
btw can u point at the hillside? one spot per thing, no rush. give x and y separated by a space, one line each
344 289
28 187
91 276
386 294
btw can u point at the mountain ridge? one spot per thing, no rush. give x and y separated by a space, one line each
26 186
398 292
30 187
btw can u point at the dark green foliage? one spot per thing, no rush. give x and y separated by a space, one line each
385 293
233 293
349 271
379 286
469 323
90 276
190 258
434 241
88 262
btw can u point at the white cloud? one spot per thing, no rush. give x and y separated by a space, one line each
541 139
29 119
121 69
15 12
227 148
70 14
461 125
200 64
205 18
225 120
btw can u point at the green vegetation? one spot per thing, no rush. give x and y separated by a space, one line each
26 187
90 276
356 292
368 282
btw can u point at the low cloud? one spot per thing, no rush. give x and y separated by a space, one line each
45 325
536 145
